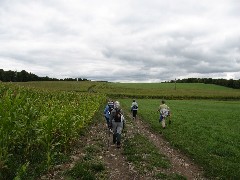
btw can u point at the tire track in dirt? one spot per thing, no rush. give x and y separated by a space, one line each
181 164
116 164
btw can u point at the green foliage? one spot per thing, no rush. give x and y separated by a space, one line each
206 130
37 127
77 86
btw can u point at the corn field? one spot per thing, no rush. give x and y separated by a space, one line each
37 127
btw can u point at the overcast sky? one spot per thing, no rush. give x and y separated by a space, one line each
121 40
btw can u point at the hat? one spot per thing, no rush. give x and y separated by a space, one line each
117 104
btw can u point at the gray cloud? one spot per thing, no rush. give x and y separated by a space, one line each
126 41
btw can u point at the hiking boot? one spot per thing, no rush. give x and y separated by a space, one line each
118 144
114 138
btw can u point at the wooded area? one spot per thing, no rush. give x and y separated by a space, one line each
24 76
231 83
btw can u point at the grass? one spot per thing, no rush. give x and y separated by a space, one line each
147 158
208 131
142 90
144 154
167 90
88 167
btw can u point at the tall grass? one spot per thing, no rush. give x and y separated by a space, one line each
208 131
78 86
38 127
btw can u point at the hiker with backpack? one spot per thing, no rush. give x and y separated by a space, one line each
107 111
134 109
117 119
164 113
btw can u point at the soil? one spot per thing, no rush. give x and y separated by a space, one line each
116 164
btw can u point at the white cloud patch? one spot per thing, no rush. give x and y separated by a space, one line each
126 41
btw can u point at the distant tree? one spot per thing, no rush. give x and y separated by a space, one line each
222 82
2 74
24 76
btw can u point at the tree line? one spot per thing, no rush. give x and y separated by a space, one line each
24 76
231 83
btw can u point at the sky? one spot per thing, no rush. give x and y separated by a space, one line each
121 40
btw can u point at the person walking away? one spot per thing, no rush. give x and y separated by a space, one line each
117 119
164 112
107 111
134 109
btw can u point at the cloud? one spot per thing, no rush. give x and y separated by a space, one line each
125 41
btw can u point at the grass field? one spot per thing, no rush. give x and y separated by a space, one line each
167 90
208 131
143 90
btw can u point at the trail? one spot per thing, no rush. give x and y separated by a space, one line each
181 164
116 164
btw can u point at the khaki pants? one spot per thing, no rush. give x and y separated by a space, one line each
163 123
162 120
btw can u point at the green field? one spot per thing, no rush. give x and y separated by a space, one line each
143 90
167 90
207 130
38 127
81 86
48 116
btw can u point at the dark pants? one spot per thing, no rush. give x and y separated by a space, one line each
134 113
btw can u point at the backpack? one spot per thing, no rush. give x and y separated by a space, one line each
135 106
118 116
164 112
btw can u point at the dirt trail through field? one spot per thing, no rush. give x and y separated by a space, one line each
117 167
181 164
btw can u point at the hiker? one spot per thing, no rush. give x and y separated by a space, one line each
117 119
134 109
164 112
107 111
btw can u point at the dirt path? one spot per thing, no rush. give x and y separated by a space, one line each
181 164
117 167
116 163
